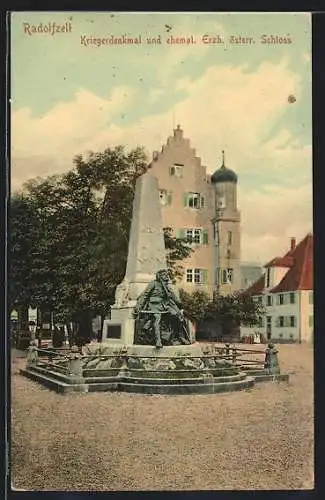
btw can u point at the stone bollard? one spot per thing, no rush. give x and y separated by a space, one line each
271 362
32 353
75 364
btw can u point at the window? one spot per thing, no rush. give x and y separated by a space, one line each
165 197
193 200
293 321
228 254
226 276
189 275
281 321
221 202
311 297
269 300
229 237
196 276
280 335
176 170
267 278
196 235
292 297
280 299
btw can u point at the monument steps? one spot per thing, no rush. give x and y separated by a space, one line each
145 386
53 383
205 388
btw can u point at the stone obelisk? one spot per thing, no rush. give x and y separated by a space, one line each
146 255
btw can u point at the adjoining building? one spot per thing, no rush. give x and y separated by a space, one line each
286 290
203 207
250 272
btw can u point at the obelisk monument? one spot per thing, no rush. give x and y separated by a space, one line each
146 255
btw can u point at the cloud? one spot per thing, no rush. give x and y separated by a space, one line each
228 107
282 213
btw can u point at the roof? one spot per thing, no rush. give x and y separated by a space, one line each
300 265
285 261
223 174
300 274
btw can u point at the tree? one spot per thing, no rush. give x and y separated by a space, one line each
195 305
239 307
77 230
178 249
230 311
24 233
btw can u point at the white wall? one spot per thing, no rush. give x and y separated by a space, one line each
302 309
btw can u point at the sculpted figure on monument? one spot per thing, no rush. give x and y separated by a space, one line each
159 315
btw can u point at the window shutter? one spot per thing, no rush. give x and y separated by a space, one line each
202 201
205 237
204 276
169 198
185 200
181 233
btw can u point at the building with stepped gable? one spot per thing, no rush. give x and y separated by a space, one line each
203 207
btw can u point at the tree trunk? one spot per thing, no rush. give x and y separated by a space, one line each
23 318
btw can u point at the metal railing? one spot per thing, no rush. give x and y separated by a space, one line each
72 363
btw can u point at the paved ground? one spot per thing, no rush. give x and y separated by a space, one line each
256 439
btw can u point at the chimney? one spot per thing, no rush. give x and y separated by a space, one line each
292 244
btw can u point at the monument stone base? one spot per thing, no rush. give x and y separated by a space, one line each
119 330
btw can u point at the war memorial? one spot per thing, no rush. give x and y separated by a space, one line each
148 345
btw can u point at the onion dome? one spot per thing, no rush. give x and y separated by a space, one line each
224 174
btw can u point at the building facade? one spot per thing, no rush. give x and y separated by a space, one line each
204 208
286 291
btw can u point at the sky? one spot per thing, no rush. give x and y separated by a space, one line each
70 96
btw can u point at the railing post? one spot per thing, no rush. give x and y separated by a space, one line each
75 364
271 362
227 351
32 353
234 354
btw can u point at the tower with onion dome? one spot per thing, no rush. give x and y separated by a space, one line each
226 222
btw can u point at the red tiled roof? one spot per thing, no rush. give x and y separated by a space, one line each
285 261
300 265
300 275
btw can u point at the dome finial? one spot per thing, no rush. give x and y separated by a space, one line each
223 158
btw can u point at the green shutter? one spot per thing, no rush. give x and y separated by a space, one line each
181 233
205 236
185 200
202 201
205 276
169 198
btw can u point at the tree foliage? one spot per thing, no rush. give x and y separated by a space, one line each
221 315
195 304
70 232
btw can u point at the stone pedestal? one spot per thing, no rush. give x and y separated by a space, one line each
120 328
